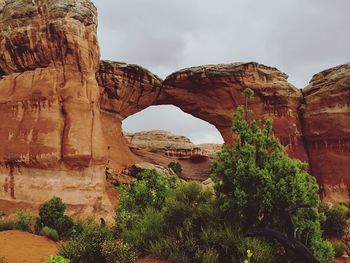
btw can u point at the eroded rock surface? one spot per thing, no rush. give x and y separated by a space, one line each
61 108
162 147
52 142
327 129
213 92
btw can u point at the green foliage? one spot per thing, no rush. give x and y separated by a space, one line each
255 181
188 229
51 211
335 224
87 246
176 167
50 233
51 214
149 190
74 250
23 220
118 252
232 246
339 249
57 259
186 212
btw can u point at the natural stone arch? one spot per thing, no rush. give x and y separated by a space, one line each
210 93
62 109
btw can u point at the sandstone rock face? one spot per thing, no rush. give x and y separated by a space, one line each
213 92
62 108
327 130
127 88
52 142
162 147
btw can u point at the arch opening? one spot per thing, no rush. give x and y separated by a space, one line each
163 134
172 119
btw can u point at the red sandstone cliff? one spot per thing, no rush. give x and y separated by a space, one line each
51 132
326 120
62 108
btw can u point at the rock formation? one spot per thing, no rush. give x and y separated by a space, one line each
326 121
62 108
51 133
213 92
162 147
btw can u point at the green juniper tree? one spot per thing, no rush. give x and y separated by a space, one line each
255 181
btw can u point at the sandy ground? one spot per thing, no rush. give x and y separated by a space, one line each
20 247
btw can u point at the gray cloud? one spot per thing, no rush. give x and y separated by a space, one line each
300 37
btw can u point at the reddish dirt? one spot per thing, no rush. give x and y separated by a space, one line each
20 247
340 260
23 247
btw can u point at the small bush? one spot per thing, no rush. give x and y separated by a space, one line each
3 260
57 259
338 248
7 225
148 191
23 220
51 214
50 233
335 224
74 250
144 229
51 211
87 246
118 252
176 167
65 225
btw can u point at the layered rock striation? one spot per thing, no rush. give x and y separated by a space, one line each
326 121
51 132
62 108
162 147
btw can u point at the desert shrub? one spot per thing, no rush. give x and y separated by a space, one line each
188 229
74 250
231 245
176 167
87 246
335 223
3 260
338 248
6 225
23 220
57 259
255 181
118 252
144 229
149 190
78 228
51 214
50 233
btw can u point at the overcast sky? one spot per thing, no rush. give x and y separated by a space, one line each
299 37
